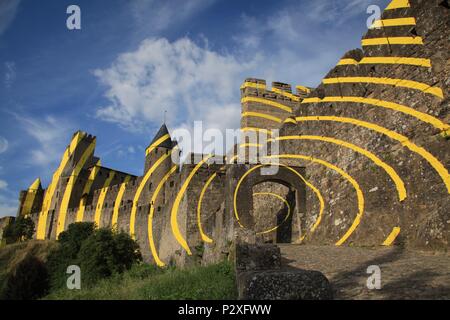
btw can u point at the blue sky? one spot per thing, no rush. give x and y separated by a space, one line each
134 59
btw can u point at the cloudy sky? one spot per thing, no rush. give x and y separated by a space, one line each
134 59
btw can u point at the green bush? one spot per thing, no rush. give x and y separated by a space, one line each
99 253
66 254
28 281
106 253
22 229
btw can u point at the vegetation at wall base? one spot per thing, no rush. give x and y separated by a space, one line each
146 282
100 253
22 229
111 268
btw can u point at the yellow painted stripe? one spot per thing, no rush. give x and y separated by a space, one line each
392 40
283 200
151 214
29 198
233 158
119 197
398 4
267 102
101 198
389 81
250 145
35 185
425 117
253 85
42 221
157 143
69 188
397 22
176 204
205 238
345 175
290 120
399 184
268 132
420 62
316 191
344 62
141 187
261 115
86 190
286 94
392 236
435 163
303 88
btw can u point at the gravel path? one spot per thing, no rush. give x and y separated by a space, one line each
405 274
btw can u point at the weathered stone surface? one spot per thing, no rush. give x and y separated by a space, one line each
257 257
284 285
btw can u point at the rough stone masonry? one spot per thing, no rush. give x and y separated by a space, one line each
363 161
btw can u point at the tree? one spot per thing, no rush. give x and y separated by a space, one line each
66 253
99 253
106 253
22 229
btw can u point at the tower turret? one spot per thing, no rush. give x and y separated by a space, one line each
31 199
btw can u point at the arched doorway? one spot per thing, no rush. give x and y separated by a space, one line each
269 206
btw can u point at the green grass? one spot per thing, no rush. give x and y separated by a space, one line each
144 282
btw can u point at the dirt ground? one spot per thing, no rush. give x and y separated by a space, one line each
405 274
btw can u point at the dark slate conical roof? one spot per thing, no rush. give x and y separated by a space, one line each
161 133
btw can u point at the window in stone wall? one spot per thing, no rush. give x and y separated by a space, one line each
171 184
106 204
159 209
150 186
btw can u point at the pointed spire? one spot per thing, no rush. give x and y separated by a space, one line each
163 132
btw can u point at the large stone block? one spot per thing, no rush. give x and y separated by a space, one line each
284 285
257 257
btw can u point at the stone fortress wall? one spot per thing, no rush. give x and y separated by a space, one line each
364 160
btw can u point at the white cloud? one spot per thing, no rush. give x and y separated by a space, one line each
303 41
51 135
3 184
10 74
189 81
156 15
3 145
8 11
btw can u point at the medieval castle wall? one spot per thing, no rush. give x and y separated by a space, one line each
364 160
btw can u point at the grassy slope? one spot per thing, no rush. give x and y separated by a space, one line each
144 282
12 255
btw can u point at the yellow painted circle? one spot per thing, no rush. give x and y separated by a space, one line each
312 187
285 202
